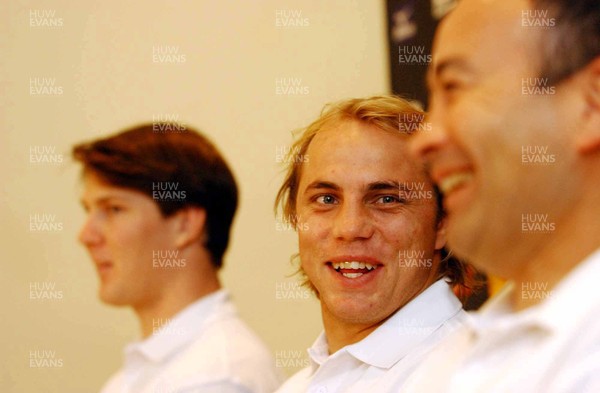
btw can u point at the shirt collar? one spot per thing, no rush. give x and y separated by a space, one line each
496 314
319 351
182 328
402 332
565 306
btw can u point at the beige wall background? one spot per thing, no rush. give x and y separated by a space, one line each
72 71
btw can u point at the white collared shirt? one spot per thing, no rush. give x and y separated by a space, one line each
553 347
205 348
383 360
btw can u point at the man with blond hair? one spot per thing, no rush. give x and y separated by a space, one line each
371 246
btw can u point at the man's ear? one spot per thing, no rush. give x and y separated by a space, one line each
190 224
588 137
440 238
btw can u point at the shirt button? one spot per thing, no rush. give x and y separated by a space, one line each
322 389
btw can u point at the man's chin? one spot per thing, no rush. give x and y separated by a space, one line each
112 299
465 235
351 310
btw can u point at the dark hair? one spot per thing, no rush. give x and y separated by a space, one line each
574 41
141 158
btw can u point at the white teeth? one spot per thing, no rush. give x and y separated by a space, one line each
352 275
451 182
353 265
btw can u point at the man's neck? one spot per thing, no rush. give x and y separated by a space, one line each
175 299
340 334
576 237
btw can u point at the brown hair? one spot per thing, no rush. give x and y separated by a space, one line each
139 158
386 112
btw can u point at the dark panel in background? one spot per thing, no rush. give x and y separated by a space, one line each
411 25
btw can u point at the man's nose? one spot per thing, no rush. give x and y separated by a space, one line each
353 222
430 138
89 234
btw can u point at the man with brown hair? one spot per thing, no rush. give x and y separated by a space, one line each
371 238
159 211
515 149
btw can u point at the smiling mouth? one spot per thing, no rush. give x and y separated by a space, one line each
454 181
353 269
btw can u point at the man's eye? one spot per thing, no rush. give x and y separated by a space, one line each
450 86
113 209
386 199
326 199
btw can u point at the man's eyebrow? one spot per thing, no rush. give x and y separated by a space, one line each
103 200
436 69
319 184
385 185
374 186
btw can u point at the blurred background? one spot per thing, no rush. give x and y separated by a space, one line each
245 73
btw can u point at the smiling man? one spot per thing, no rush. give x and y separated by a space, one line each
159 210
371 239
515 149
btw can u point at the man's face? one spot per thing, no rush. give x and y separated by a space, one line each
122 231
367 215
498 150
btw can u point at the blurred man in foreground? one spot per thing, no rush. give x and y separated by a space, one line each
371 238
515 150
159 209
